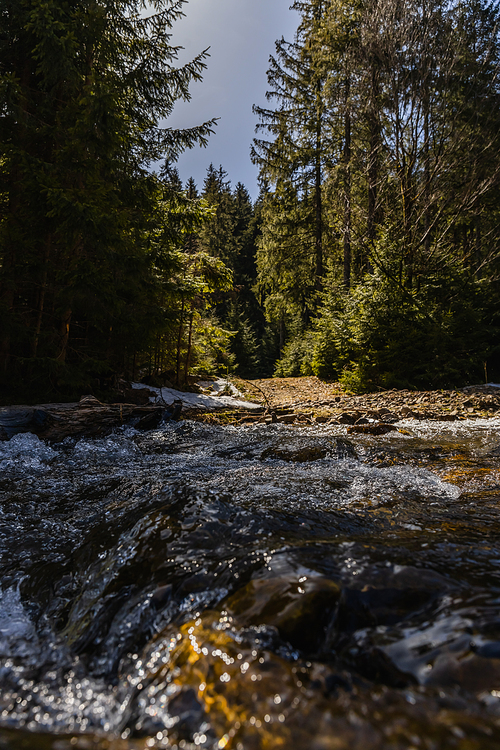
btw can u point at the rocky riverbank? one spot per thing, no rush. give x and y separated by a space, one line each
309 400
298 401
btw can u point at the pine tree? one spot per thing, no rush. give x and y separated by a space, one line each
293 162
217 235
230 234
410 155
84 87
422 120
191 189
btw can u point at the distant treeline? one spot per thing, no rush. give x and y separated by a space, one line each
371 255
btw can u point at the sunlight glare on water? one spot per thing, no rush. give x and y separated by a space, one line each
199 585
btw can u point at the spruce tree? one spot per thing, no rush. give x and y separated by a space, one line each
84 87
293 161
230 234
410 155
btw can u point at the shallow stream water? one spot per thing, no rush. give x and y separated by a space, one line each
252 588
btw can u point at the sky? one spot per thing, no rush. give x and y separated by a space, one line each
241 36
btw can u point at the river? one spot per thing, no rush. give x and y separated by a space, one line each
252 588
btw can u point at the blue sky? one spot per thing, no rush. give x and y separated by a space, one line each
241 35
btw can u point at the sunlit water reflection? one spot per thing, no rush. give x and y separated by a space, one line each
252 587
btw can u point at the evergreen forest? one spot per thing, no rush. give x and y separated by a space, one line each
371 255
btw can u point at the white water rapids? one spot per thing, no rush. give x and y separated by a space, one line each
372 564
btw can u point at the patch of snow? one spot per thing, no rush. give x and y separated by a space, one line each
219 386
198 400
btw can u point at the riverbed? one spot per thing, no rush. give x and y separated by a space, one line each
252 588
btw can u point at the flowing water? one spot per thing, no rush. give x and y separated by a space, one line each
252 588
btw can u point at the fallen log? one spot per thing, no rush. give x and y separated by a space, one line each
88 417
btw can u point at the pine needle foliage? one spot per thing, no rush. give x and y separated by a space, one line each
404 94
85 89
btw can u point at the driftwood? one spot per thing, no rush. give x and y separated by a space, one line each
89 417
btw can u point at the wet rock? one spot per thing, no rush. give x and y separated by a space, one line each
161 595
150 421
343 448
299 455
374 607
487 650
468 671
300 609
173 411
375 665
321 419
187 714
211 672
374 428
487 403
303 419
388 416
330 683
16 420
287 418
408 413
208 677
348 418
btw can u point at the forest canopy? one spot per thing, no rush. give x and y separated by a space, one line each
371 255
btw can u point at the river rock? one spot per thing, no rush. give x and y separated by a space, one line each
299 609
374 428
298 455
286 418
23 419
469 671
321 419
348 418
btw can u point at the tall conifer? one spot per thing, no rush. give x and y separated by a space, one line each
84 87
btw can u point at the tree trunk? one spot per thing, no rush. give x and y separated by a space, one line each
478 252
318 198
9 276
188 353
427 160
179 344
41 297
347 186
65 324
373 165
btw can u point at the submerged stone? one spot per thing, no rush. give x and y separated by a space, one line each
299 609
299 455
374 428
